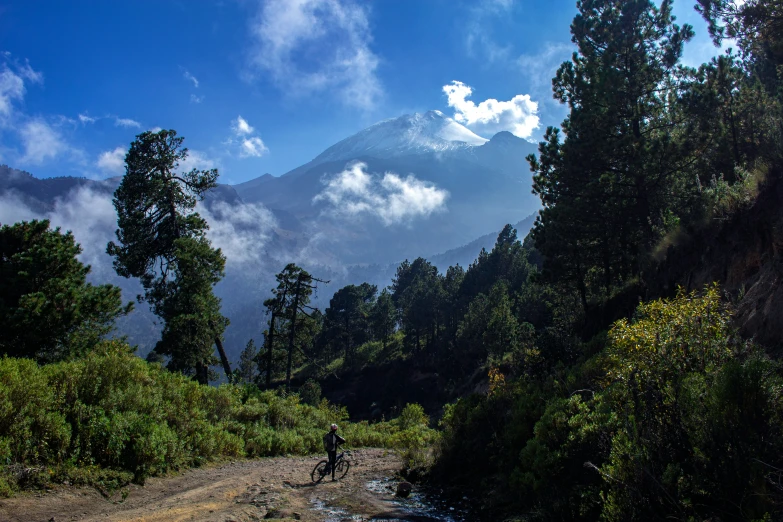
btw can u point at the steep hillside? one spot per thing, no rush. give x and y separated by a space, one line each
743 251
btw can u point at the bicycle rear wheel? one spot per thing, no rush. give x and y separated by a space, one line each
341 469
319 471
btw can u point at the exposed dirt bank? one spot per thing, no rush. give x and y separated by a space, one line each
240 491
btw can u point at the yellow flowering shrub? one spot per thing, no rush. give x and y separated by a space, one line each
670 337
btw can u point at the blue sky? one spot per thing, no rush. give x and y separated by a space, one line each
260 86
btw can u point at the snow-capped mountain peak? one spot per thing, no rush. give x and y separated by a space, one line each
416 133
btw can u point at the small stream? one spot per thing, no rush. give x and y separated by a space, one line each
419 506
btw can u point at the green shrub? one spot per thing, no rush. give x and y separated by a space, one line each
112 416
412 416
676 418
310 392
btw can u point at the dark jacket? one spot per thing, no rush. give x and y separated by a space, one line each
331 440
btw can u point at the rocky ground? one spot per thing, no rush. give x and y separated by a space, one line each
274 488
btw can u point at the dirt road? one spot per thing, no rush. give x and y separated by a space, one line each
275 488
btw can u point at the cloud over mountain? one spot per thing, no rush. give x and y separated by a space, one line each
241 231
519 115
390 198
88 213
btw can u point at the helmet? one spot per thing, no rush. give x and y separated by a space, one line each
334 427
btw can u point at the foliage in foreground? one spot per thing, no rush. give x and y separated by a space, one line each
112 417
676 418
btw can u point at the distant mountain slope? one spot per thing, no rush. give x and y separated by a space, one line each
409 134
488 184
466 254
41 193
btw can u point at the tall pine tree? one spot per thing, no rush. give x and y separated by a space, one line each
619 178
162 241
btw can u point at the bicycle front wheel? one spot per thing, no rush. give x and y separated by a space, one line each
319 471
341 469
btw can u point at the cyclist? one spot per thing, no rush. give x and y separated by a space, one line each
331 441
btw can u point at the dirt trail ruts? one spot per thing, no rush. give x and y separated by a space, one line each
240 491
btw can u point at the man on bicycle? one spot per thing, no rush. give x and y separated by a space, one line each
331 441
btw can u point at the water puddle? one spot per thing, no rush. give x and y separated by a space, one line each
419 506
334 514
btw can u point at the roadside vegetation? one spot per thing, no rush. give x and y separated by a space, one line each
110 418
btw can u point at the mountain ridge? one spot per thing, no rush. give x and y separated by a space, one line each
415 133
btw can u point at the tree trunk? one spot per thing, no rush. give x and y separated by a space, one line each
348 340
224 359
580 282
202 373
270 339
292 332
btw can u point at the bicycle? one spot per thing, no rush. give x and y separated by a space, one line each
322 469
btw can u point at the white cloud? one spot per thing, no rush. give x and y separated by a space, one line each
29 74
112 161
479 30
241 231
61 121
196 160
333 37
501 4
240 126
40 142
392 199
11 89
155 130
249 146
126 122
540 68
518 115
86 119
496 7
12 85
191 78
91 216
196 99
40 139
13 209
478 36
252 147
